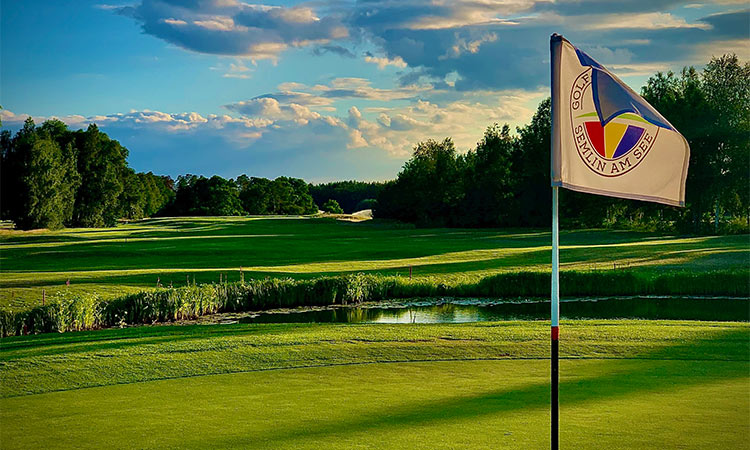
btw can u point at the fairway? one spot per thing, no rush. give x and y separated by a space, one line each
624 384
132 257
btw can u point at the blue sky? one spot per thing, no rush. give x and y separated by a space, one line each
325 89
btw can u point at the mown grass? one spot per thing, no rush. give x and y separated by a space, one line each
624 384
122 260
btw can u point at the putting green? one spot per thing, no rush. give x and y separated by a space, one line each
457 404
624 384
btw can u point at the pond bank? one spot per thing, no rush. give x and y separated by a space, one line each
85 312
455 310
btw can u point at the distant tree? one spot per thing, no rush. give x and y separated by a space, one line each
44 192
284 195
101 162
201 196
726 84
429 188
531 165
39 178
158 193
132 197
489 181
347 193
41 185
332 206
254 194
298 201
16 152
223 197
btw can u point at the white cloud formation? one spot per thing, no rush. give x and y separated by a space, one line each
642 21
241 128
462 13
383 61
398 130
708 50
464 45
235 28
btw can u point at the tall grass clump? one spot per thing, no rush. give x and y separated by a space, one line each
70 312
64 312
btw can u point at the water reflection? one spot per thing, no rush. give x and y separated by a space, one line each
457 311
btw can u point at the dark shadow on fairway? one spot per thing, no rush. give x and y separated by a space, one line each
662 375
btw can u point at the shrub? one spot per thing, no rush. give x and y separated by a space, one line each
332 206
368 203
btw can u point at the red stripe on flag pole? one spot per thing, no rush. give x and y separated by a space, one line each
555 333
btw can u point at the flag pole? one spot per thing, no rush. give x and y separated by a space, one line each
555 331
555 49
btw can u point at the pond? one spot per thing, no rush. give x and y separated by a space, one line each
449 310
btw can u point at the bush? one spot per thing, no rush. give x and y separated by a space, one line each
332 206
368 203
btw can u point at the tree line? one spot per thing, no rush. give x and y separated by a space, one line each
53 177
217 196
351 195
505 180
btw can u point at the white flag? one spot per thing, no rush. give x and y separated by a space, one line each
608 140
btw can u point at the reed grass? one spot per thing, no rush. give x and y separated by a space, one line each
74 312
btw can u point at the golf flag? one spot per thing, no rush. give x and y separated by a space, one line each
606 139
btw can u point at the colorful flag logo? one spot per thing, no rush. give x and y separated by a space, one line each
606 138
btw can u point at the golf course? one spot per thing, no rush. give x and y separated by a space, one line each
625 383
356 225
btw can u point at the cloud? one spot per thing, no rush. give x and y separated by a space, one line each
322 96
642 21
238 70
299 98
335 49
234 28
740 47
730 24
398 130
464 45
434 15
503 44
383 62
593 7
242 128
478 44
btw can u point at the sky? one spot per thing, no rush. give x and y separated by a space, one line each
326 89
